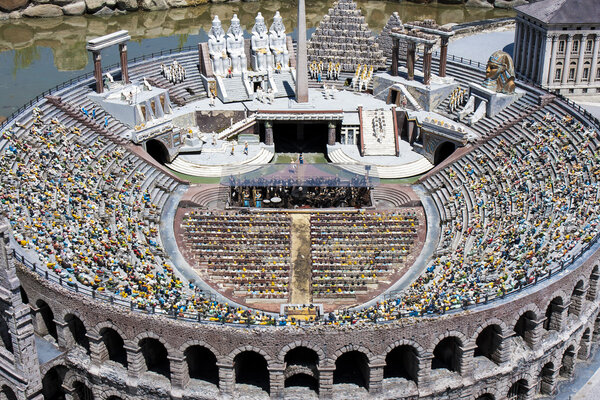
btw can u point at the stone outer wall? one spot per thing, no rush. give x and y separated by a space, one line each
515 359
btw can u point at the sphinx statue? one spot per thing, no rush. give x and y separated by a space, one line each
278 43
216 48
261 56
500 73
235 46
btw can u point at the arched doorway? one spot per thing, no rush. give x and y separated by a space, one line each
352 367
155 355
553 315
525 326
114 346
78 331
202 364
547 378
82 392
46 324
518 390
157 150
488 343
443 151
447 355
568 362
52 383
301 368
402 362
5 334
250 368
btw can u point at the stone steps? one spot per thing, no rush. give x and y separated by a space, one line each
418 167
264 156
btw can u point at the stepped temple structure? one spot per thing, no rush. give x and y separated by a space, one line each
246 220
343 36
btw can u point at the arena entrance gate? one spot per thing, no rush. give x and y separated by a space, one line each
299 131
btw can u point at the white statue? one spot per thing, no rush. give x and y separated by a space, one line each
278 43
235 46
216 47
261 56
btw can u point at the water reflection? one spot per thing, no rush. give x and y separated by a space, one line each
67 36
37 54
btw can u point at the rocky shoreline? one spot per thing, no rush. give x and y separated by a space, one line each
14 9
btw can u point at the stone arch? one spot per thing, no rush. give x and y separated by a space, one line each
402 362
443 151
5 336
568 361
352 366
485 394
45 320
81 391
8 393
52 382
300 343
585 344
524 327
448 352
251 367
201 363
302 367
353 347
156 355
95 331
77 331
114 345
531 307
459 335
554 313
489 343
519 390
195 342
112 394
577 296
548 378
158 150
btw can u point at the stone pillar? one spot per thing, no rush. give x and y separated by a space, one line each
529 53
326 382
518 44
427 65
424 379
466 361
577 301
547 382
268 133
331 133
410 60
124 68
559 315
579 73
595 59
592 288
98 71
524 47
301 58
443 57
64 338
551 71
536 55
395 49
179 372
503 352
136 365
276 382
376 378
566 68
98 351
226 378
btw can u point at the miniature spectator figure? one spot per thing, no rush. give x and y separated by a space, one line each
245 148
232 149
106 121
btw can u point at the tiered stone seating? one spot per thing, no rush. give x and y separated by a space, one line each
353 253
247 254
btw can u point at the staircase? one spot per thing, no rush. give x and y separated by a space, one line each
378 133
285 84
234 88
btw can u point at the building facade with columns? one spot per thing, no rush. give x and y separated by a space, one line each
557 43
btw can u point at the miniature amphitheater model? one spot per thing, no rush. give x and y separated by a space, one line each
121 280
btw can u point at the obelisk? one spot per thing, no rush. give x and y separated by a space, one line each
301 57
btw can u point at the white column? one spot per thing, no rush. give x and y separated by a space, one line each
566 67
543 63
553 51
518 44
595 59
582 44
